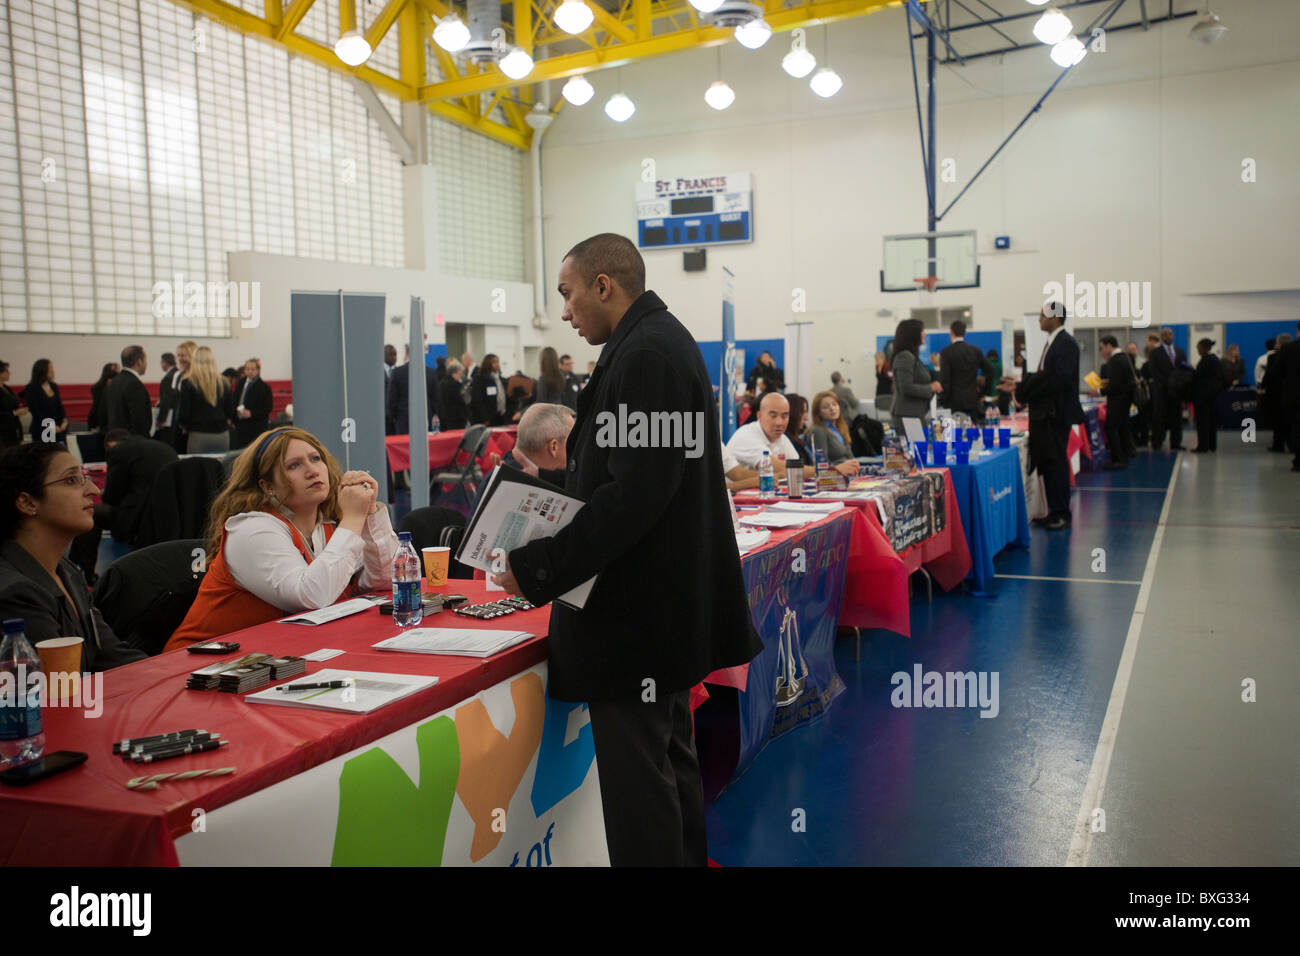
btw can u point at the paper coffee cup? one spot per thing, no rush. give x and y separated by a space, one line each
61 655
436 563
794 480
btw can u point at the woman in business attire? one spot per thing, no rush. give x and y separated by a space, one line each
290 532
551 387
206 406
45 502
42 398
98 421
1234 367
489 393
11 429
798 423
830 432
913 383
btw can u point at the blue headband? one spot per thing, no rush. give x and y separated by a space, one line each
266 441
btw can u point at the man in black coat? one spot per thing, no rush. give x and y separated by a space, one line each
168 395
1271 399
1052 394
1289 372
959 367
1117 380
1207 383
453 410
253 402
127 398
669 603
399 401
133 464
1166 406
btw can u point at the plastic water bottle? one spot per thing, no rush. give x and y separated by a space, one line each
22 735
766 480
408 608
436 426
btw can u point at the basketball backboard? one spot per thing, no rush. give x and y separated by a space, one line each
948 257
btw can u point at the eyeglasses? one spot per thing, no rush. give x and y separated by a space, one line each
72 481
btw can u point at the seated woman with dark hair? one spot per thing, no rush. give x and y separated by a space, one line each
288 533
798 423
45 502
830 432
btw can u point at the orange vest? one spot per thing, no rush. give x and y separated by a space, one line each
222 606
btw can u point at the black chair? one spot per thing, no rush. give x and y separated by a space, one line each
465 477
146 594
181 500
435 527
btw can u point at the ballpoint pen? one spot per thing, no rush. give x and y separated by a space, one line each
328 685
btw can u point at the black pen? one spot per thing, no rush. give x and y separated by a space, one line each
153 755
330 685
171 744
131 742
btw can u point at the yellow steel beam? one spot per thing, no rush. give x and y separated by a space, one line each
292 18
523 12
380 26
619 54
411 28
436 8
515 116
274 12
641 19
496 131
612 26
492 103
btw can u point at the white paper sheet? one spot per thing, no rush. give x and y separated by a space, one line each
456 641
332 613
369 691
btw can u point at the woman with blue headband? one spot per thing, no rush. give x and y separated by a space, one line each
288 533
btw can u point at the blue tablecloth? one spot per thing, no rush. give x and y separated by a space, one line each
1096 440
991 496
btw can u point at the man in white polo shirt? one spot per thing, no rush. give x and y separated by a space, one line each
767 433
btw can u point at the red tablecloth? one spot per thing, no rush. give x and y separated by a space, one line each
442 447
875 588
86 816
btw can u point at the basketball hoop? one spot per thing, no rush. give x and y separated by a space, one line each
927 283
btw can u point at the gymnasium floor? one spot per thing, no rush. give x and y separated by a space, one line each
1196 776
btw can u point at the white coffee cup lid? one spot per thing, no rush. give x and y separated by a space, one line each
54 642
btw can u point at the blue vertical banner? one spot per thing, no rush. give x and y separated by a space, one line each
727 382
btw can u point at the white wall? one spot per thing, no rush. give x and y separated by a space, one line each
1131 171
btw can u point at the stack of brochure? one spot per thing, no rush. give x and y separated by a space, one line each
458 642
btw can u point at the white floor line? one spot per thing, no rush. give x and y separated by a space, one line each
1036 577
1081 841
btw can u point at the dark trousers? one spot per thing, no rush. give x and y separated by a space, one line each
1295 440
1281 423
1140 426
1119 438
1056 474
1207 428
650 782
1167 416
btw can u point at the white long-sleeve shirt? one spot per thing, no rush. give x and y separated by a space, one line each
263 559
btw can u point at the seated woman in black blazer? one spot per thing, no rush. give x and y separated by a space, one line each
795 429
45 502
830 432
42 398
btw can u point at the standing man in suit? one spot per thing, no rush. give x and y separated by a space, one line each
959 367
1166 407
1207 383
168 393
1118 377
632 654
127 398
399 396
844 395
1288 369
253 402
133 464
1052 394
390 363
1274 387
571 382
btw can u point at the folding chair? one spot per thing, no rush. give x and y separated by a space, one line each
467 476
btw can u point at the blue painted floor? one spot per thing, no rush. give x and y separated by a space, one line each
934 787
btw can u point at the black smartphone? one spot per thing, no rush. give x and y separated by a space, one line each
42 767
214 647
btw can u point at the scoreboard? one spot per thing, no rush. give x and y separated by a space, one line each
695 211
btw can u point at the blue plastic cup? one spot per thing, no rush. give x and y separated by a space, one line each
939 453
1004 437
962 449
988 436
918 450
972 434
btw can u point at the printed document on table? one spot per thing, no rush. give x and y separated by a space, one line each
332 613
517 508
457 641
807 507
369 691
778 519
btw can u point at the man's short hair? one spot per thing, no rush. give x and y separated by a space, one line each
169 358
565 358
612 255
1153 336
1110 340
1056 309
453 367
958 328
836 377
132 354
542 422
255 361
1270 345
115 435
1284 339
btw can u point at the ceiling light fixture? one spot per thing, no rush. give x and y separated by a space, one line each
573 16
619 108
451 34
798 62
1052 27
578 91
826 82
1207 29
516 64
352 48
753 33
719 95
1068 52
706 6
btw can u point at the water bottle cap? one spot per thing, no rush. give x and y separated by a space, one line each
403 536
15 624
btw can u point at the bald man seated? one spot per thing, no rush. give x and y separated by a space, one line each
765 433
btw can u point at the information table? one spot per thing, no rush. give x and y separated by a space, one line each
990 493
443 445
